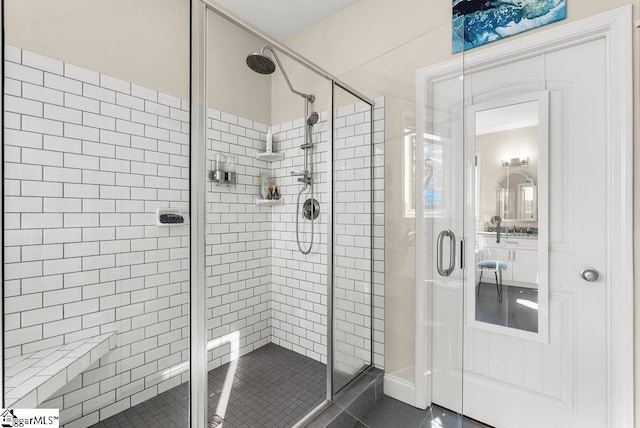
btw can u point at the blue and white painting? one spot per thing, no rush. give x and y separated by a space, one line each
478 22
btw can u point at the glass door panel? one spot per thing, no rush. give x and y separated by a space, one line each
440 235
352 237
96 154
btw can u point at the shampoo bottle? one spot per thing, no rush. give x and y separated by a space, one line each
269 148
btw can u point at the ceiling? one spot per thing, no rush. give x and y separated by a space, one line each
283 18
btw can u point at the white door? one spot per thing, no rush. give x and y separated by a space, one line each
582 376
514 382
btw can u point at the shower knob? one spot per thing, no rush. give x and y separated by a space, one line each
311 208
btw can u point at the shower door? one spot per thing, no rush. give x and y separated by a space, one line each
561 276
439 240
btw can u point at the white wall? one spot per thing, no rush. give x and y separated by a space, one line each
144 41
231 85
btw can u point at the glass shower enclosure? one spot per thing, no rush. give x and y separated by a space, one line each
164 263
283 211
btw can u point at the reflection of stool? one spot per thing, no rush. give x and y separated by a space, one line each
497 267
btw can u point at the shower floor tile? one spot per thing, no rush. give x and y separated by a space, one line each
272 387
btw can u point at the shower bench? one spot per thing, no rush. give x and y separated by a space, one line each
32 378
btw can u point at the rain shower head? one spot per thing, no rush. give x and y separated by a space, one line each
261 63
312 119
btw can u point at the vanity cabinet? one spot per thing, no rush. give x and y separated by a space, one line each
521 254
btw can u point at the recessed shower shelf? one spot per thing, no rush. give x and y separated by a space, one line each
270 202
32 378
270 157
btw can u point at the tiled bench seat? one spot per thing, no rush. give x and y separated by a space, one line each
32 378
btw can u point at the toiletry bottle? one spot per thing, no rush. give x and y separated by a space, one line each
269 146
264 185
231 170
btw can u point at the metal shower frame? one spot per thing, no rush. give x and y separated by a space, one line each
198 340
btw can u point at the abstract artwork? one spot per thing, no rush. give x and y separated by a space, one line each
478 22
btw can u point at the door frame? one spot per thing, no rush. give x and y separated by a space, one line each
615 27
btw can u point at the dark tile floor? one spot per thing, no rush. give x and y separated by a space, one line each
512 311
393 413
169 409
272 387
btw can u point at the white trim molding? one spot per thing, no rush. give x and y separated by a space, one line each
399 389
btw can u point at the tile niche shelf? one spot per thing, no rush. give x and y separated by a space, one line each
269 202
31 379
270 157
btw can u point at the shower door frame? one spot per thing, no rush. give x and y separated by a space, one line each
198 312
198 396
2 199
330 191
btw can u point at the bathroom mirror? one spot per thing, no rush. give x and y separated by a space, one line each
507 144
516 196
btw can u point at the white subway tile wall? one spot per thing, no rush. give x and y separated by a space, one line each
261 289
238 243
89 158
300 281
378 232
88 161
353 240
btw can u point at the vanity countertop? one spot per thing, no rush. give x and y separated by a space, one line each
517 235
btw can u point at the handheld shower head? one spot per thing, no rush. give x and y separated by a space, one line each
312 119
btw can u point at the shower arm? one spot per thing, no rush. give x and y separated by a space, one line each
309 97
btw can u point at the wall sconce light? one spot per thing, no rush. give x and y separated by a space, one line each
515 162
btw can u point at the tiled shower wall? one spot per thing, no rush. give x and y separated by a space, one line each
260 287
238 243
88 159
299 281
355 245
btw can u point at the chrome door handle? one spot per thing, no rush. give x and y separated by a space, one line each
589 274
452 252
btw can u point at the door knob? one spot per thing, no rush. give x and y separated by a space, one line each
589 274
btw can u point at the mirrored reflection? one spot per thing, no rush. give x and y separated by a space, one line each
506 176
